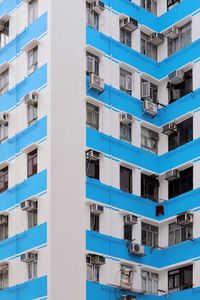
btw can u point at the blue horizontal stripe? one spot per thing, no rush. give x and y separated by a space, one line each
32 134
29 290
33 31
7 6
159 24
108 245
24 241
32 186
35 81
123 102
139 157
108 195
105 292
137 60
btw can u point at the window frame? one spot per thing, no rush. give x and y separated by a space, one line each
149 235
32 16
126 184
4 179
95 114
32 167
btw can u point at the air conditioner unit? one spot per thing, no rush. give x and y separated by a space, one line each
98 260
96 209
176 77
172 33
3 219
99 6
128 24
172 175
136 249
96 83
3 268
128 297
31 98
3 118
125 118
27 257
130 220
92 155
157 38
184 219
169 129
150 108
28 205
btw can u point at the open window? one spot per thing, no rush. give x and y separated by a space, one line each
95 215
149 5
93 11
180 279
125 179
172 3
3 126
92 116
179 37
182 135
32 11
4 179
93 264
149 91
181 183
3 275
3 226
92 164
149 140
180 84
150 187
149 235
179 233
4 32
4 82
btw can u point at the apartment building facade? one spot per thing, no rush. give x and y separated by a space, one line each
99 149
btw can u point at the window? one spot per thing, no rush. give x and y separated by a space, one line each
128 232
147 48
92 117
32 11
177 91
150 5
4 276
183 135
126 279
92 270
92 16
149 140
92 167
126 81
180 279
4 229
33 60
171 3
3 131
125 132
4 82
183 39
149 91
92 64
32 113
179 233
32 267
32 163
3 179
149 235
94 222
149 187
125 179
125 37
182 184
33 216
149 282
4 34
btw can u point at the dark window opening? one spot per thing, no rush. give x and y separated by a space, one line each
94 222
183 184
177 91
180 279
92 116
147 48
128 232
3 179
171 3
32 163
125 179
183 135
92 168
149 187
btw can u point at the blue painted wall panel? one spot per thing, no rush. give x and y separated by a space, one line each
33 185
29 290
